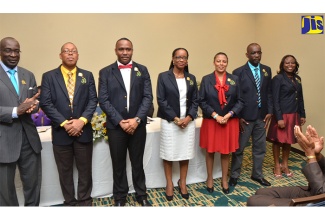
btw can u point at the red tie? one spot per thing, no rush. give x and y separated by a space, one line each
125 66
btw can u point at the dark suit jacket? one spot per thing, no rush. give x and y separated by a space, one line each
56 104
315 174
209 101
248 88
11 129
168 96
287 96
113 98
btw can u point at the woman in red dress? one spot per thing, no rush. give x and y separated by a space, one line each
289 111
220 102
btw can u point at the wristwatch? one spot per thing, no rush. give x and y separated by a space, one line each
138 120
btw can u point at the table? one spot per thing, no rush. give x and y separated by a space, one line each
102 167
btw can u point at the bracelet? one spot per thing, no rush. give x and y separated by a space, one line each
231 112
215 116
311 157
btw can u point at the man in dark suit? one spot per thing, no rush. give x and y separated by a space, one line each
125 95
20 144
69 99
255 84
314 172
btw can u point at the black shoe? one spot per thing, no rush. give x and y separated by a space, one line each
261 181
119 203
169 198
233 181
144 202
185 196
225 191
210 190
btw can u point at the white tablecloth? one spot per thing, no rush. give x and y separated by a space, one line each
102 167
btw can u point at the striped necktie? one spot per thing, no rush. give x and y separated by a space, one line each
70 88
258 86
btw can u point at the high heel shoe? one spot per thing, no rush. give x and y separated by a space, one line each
277 176
285 171
225 191
210 190
169 198
185 196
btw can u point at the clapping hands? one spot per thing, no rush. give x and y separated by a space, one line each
310 143
28 105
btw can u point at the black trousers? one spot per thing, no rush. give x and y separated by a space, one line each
119 143
82 154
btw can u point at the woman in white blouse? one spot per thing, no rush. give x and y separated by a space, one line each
177 97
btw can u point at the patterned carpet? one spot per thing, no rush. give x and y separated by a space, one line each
237 196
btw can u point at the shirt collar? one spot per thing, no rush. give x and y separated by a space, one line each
5 68
66 71
253 67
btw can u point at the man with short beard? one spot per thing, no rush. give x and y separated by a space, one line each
256 91
125 95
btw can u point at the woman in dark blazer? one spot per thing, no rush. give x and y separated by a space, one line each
177 98
220 102
289 111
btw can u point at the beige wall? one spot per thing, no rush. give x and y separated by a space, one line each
280 34
155 36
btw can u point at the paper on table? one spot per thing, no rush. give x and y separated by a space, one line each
150 119
43 129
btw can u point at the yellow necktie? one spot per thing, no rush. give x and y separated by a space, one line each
70 88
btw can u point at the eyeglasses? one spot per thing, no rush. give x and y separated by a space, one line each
69 51
10 51
256 52
178 58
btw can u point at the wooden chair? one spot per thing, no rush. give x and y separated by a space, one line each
317 200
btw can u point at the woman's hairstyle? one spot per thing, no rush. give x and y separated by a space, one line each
173 54
220 53
282 63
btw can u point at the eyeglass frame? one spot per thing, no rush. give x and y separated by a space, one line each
178 58
69 51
